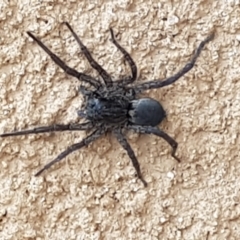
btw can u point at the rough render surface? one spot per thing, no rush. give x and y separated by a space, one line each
94 194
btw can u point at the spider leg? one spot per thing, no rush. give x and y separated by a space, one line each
122 140
52 128
85 91
156 131
128 58
184 70
64 66
86 141
106 77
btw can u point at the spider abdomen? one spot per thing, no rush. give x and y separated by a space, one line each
146 112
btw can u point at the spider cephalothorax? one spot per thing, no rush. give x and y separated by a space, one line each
113 106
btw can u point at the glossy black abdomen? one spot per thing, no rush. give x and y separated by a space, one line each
146 112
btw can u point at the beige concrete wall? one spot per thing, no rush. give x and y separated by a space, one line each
93 193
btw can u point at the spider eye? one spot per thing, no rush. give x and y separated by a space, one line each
95 103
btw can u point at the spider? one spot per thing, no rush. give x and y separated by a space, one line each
112 106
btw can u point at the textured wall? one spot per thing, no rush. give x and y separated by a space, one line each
93 193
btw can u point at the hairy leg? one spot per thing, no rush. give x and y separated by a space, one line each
122 140
86 141
64 66
106 77
175 77
156 131
128 58
52 128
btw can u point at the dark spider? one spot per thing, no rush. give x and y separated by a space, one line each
113 106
